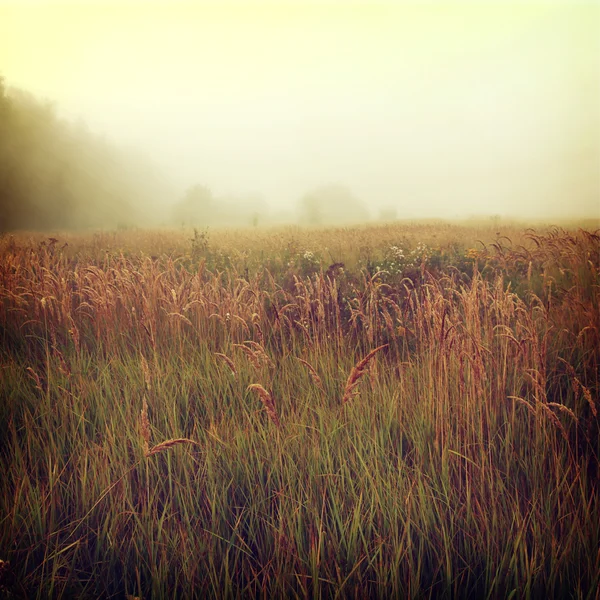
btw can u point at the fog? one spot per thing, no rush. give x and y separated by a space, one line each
411 110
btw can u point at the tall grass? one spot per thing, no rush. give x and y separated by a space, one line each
174 426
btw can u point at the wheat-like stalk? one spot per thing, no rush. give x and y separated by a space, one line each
242 323
252 356
575 383
357 372
588 396
167 444
544 407
144 424
36 378
267 399
260 353
146 371
257 327
313 374
256 354
228 362
564 409
181 318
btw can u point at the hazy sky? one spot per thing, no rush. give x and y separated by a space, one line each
437 108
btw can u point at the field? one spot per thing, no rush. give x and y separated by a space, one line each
394 411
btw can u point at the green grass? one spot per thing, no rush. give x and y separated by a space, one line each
451 474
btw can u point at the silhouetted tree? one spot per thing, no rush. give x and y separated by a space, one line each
331 204
197 206
54 175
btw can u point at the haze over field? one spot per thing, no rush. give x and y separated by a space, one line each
432 110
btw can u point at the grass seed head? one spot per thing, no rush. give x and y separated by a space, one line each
228 362
357 372
145 427
590 400
168 444
313 374
267 399
146 371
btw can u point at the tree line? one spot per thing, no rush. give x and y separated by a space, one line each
55 174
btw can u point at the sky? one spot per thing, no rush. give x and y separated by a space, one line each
437 109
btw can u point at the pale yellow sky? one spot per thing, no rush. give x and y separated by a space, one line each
440 109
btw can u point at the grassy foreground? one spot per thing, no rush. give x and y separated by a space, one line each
384 412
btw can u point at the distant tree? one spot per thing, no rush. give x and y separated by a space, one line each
388 214
196 207
54 175
64 213
331 204
4 105
311 208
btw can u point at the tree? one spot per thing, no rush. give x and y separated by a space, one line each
54 175
330 205
196 207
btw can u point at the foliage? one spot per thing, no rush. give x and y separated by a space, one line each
197 206
199 244
330 204
56 175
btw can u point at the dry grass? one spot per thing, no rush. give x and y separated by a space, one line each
228 362
267 399
313 374
168 444
357 372
470 469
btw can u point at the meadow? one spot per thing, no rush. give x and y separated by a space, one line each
393 411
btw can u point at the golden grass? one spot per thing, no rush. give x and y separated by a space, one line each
357 373
144 428
313 373
144 425
168 444
267 399
471 468
227 361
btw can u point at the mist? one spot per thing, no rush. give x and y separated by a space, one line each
252 113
